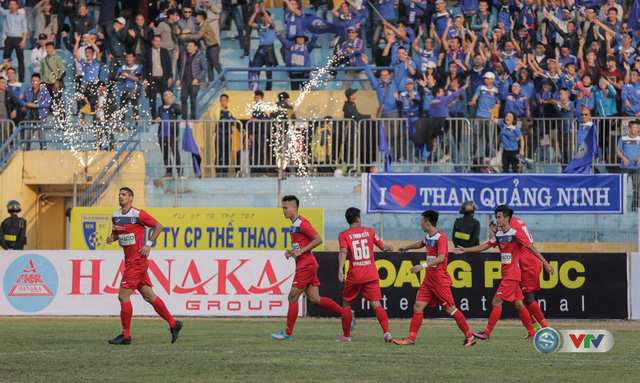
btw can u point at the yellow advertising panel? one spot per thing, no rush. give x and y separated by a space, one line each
197 228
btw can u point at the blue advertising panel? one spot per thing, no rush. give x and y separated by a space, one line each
524 193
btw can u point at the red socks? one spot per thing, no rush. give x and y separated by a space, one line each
347 317
126 311
161 309
382 318
536 312
462 323
416 322
526 320
330 305
292 315
493 319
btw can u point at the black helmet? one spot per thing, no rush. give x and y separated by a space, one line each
468 207
14 206
283 96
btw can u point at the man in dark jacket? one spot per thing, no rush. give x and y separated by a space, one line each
116 47
192 75
81 24
13 230
466 230
169 133
157 72
351 113
139 39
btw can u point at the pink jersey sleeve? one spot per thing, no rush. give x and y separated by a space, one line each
147 220
443 245
522 238
376 240
493 242
307 229
342 240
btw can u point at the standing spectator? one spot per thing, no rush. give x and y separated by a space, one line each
187 25
385 88
258 132
486 98
53 71
66 8
628 150
482 21
116 47
224 130
130 73
169 132
265 54
37 54
168 29
233 9
208 37
584 125
247 10
350 110
16 30
37 102
108 9
441 18
139 39
631 94
213 9
566 110
298 56
9 106
192 75
352 51
158 77
93 10
82 23
511 136
105 111
409 102
89 74
45 21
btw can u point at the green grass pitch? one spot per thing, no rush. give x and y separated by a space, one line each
48 349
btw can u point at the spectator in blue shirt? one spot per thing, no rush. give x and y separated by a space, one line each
130 73
37 102
299 56
265 54
584 126
486 98
403 69
409 102
352 50
510 137
386 9
169 132
385 88
631 95
517 103
628 150
16 30
441 17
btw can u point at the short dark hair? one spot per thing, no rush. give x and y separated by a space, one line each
352 214
224 95
291 198
505 211
89 48
435 90
202 14
127 190
171 12
49 43
431 216
130 54
634 122
258 93
159 36
35 75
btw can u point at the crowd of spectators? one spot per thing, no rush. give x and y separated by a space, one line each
530 59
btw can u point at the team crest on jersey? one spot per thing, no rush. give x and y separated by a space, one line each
96 228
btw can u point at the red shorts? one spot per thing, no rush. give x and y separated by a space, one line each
135 278
370 290
305 277
509 290
530 280
435 295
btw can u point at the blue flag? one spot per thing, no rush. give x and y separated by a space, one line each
383 147
253 85
634 16
590 3
317 25
189 145
588 150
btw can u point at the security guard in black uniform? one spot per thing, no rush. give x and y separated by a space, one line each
466 230
13 230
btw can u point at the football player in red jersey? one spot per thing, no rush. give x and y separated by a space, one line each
512 243
436 287
304 238
128 230
357 243
530 267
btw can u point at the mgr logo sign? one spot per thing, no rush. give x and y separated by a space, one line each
548 341
30 283
96 228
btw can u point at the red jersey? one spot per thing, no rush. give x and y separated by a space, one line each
130 230
302 234
528 260
437 275
359 243
511 245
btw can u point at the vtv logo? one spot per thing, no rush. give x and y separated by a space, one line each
586 341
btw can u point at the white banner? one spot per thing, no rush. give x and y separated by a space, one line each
191 283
